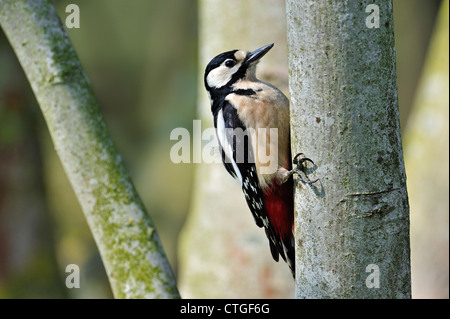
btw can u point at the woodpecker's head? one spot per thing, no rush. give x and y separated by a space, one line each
229 67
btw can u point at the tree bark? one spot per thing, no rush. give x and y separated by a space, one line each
125 235
223 254
352 227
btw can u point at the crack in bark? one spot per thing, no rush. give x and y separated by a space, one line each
385 209
346 197
373 200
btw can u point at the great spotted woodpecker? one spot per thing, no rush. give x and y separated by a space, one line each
246 111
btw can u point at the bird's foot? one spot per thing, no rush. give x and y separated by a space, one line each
299 161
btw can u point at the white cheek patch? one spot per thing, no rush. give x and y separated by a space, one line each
221 75
218 77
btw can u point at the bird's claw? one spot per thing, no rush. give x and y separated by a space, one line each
300 169
298 162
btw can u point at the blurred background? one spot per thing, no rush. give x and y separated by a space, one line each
142 60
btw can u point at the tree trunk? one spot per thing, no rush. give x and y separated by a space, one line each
128 243
223 254
352 227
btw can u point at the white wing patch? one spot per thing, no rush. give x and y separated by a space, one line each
226 146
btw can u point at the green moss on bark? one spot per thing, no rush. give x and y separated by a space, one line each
125 235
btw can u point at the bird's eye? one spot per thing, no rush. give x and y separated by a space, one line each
230 63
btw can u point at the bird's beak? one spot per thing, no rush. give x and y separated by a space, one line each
253 57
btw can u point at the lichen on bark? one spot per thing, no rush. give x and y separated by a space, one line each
125 235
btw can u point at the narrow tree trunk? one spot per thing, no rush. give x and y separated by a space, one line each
129 245
223 254
352 227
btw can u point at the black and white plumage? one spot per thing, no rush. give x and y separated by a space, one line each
244 110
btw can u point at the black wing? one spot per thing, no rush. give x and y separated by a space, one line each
233 141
